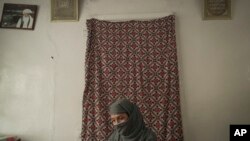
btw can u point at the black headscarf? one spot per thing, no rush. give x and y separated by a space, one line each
134 128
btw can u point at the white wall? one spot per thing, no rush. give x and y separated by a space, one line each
40 97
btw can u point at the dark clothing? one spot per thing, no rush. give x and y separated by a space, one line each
134 128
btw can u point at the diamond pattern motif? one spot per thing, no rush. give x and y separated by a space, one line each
136 60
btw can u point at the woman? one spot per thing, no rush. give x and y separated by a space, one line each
128 123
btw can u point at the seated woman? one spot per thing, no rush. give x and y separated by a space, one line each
128 123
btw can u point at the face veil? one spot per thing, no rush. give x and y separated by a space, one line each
134 128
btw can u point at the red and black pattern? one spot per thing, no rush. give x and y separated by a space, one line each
136 60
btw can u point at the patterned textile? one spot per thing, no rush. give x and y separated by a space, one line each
136 60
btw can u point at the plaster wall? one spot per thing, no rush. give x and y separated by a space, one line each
42 71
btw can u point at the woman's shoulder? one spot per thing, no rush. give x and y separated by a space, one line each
112 136
151 136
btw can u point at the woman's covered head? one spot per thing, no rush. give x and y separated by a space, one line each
126 117
128 122
120 111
